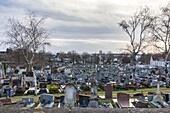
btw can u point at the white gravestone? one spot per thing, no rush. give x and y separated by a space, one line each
158 97
70 96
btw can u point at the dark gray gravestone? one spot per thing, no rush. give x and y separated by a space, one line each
141 105
84 100
61 101
43 85
108 91
150 98
8 92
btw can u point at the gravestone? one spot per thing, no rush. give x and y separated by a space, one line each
93 97
108 91
168 97
43 88
142 99
28 101
141 105
61 101
84 100
46 100
123 100
158 97
70 95
43 85
8 92
150 98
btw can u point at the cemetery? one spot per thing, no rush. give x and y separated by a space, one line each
77 86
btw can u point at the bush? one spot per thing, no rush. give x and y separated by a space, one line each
20 91
53 90
85 87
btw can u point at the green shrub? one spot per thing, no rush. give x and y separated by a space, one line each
20 91
53 90
85 87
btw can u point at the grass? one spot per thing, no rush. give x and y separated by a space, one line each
114 93
131 92
151 105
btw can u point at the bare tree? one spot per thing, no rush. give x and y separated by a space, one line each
85 57
160 31
28 36
75 57
136 28
61 55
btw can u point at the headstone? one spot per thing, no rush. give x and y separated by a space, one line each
8 92
43 85
61 101
123 100
46 100
28 101
1 104
150 98
84 100
141 99
158 97
141 105
168 97
108 91
43 88
70 96
93 103
93 98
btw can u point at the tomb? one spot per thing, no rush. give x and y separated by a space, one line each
123 100
29 102
46 100
70 95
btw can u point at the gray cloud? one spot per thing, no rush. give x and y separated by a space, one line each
80 25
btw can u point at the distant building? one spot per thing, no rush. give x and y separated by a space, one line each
158 62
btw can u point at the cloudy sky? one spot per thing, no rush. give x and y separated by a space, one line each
81 25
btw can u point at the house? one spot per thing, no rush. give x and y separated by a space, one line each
158 62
